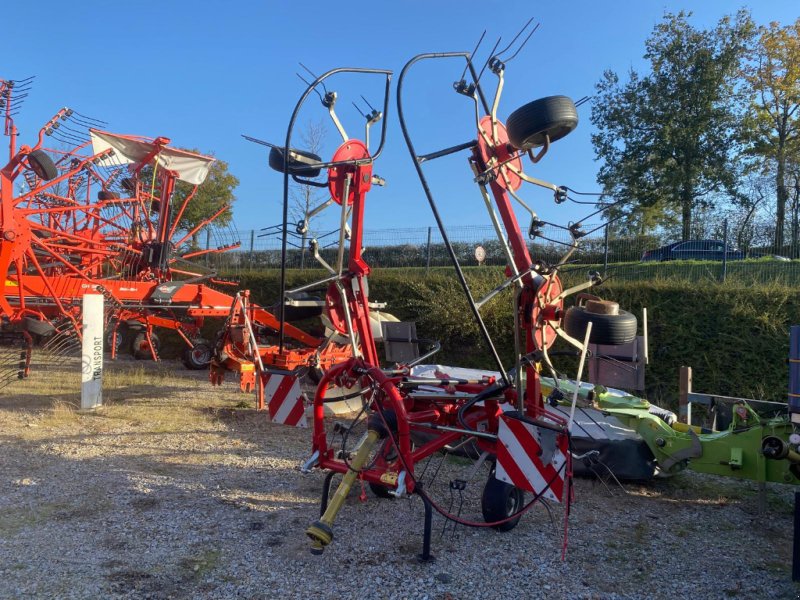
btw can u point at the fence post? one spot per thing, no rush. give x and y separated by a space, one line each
252 247
428 251
605 250
725 249
684 389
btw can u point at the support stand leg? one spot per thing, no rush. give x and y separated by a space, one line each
426 555
326 491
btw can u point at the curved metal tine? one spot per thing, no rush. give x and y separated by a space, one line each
316 91
522 45
515 38
262 142
314 75
491 55
471 54
98 121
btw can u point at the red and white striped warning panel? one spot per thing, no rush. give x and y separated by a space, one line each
285 399
528 457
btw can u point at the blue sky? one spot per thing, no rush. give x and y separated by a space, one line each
202 73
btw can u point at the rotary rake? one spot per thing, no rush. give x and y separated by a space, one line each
100 218
419 425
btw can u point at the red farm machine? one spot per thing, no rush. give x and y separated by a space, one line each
103 217
498 424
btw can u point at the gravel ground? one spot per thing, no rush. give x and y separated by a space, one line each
172 491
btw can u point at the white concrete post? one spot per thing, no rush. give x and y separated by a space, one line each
92 352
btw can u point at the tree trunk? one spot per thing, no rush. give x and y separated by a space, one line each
686 213
780 216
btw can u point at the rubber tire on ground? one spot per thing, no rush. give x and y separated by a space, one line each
121 334
499 501
136 345
107 195
41 164
606 329
553 116
198 357
294 167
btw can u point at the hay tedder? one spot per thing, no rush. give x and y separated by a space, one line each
411 430
103 217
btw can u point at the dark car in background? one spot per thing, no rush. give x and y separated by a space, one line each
693 250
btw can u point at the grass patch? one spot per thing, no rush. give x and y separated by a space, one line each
16 518
202 563
61 415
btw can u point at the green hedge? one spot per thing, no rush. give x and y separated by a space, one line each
736 338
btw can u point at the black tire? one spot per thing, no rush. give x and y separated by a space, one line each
107 195
198 357
37 327
41 164
606 329
139 347
553 116
501 500
300 163
380 491
315 374
121 333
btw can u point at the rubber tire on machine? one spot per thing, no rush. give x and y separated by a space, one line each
37 327
294 166
553 116
41 164
107 195
136 346
500 500
198 357
380 491
315 374
121 333
613 330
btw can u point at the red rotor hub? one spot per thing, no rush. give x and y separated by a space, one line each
493 145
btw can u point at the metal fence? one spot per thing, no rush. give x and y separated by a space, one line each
423 247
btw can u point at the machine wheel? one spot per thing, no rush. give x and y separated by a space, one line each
140 348
107 195
198 357
553 116
501 500
41 164
300 163
121 333
315 374
606 329
37 327
380 491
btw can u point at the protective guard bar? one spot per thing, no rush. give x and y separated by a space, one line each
286 148
418 166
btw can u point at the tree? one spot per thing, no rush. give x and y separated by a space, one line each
214 193
305 197
773 122
667 139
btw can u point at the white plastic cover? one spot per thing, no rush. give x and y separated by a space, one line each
190 167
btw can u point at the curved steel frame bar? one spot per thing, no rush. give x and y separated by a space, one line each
311 87
418 166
